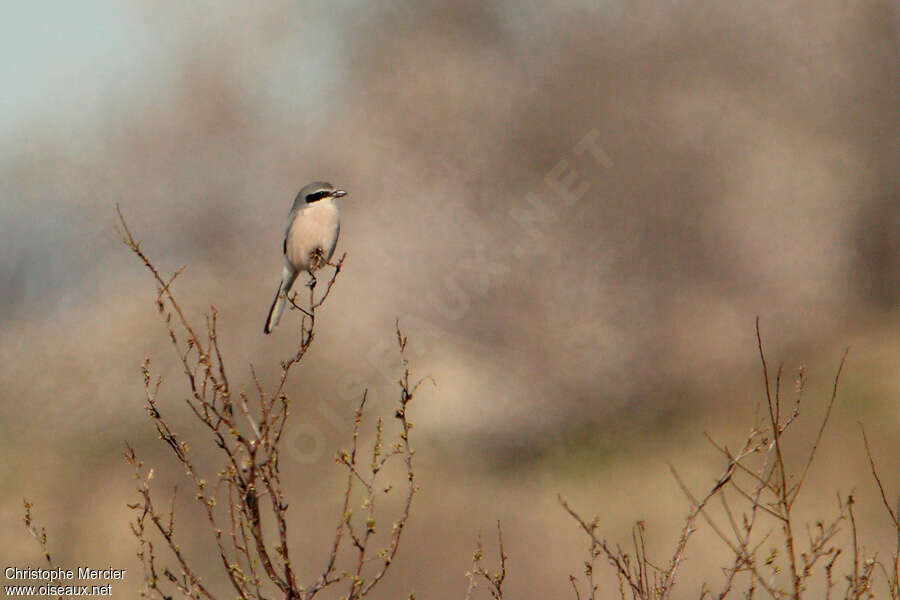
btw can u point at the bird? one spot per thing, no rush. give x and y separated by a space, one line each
314 224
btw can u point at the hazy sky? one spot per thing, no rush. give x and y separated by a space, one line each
72 65
64 61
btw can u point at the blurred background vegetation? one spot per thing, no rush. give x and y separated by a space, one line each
749 167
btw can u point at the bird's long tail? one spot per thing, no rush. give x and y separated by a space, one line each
287 280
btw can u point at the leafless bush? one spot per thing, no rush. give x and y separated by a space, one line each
494 580
245 503
38 534
756 492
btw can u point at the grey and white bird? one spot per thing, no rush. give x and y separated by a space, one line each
311 235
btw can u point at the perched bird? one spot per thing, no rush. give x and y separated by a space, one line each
309 240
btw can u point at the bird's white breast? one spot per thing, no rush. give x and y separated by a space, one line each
316 226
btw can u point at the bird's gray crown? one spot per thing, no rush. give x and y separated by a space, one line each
314 191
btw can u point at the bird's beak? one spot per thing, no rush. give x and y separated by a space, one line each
338 194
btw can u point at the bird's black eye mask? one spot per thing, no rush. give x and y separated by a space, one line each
316 196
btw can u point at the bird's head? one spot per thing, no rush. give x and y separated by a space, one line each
318 190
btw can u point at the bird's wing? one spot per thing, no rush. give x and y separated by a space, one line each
287 231
337 234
